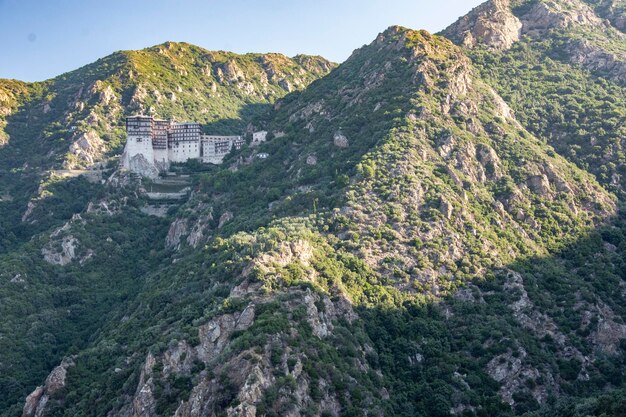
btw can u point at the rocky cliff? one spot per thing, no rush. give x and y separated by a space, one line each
569 53
492 24
592 41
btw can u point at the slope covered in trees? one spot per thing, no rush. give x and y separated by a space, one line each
427 236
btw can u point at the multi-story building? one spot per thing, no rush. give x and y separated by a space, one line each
184 141
160 132
215 148
157 143
140 133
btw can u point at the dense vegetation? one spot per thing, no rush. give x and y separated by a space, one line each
577 112
408 247
57 310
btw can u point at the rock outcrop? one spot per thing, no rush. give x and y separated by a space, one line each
200 230
614 11
177 229
36 402
558 14
236 382
491 24
340 140
589 55
60 253
494 25
512 370
62 248
140 165
87 148
226 217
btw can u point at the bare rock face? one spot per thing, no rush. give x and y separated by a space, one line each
491 24
546 15
286 85
62 255
512 371
310 110
105 93
541 325
140 165
503 110
29 210
287 252
489 159
201 226
229 73
588 55
34 405
257 381
340 140
215 335
192 229
18 279
179 359
225 218
36 402
174 234
61 249
446 209
539 184
616 14
311 160
608 334
87 147
138 98
144 404
321 319
107 207
494 25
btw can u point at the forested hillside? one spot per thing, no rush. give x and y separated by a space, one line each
75 121
435 228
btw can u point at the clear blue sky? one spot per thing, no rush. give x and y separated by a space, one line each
44 38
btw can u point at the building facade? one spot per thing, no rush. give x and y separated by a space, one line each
161 130
139 138
184 142
215 148
161 142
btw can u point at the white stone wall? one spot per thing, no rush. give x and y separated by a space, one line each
162 159
183 151
161 156
137 145
208 152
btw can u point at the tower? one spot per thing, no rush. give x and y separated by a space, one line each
139 139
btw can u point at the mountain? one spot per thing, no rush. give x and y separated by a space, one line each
423 234
562 68
75 121
81 111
